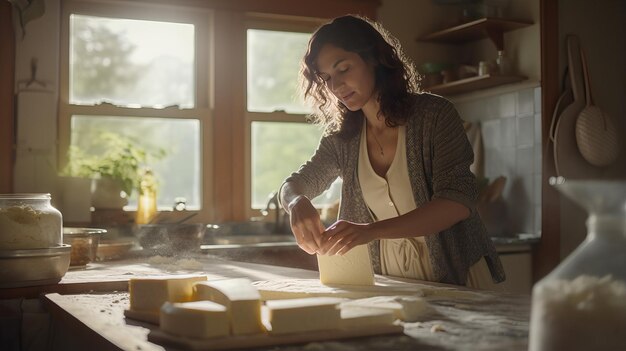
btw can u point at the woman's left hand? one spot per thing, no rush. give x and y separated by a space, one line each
342 236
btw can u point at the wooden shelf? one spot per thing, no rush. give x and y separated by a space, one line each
479 29
468 85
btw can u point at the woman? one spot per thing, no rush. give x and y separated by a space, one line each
404 159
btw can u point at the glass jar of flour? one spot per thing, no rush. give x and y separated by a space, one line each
581 305
29 221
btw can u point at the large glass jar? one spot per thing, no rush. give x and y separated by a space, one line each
29 221
581 305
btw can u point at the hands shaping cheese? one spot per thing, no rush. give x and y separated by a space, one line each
191 306
352 268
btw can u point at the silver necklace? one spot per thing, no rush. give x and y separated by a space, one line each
380 147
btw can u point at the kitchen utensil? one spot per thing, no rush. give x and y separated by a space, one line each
19 268
491 208
596 135
568 160
564 100
84 243
496 189
493 191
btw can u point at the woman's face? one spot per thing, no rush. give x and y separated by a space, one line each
347 76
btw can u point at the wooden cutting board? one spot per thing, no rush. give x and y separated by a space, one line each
264 340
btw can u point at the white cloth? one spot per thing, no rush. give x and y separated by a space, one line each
391 196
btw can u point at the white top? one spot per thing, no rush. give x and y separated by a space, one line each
391 197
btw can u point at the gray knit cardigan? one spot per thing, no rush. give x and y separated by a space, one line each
439 156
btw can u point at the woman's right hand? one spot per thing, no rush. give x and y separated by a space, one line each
306 224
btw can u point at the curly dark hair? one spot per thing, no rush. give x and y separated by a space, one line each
396 79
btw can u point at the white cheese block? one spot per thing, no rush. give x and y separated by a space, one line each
356 317
303 315
352 268
198 319
405 308
240 297
148 294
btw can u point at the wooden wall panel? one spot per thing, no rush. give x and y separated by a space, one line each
318 8
7 79
546 255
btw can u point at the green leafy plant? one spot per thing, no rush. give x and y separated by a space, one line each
122 160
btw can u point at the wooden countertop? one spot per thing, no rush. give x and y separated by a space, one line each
485 320
114 275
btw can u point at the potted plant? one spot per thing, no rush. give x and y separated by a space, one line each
116 172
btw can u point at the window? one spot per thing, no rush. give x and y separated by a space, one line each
215 88
131 63
179 171
139 73
280 138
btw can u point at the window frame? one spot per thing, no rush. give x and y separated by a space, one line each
225 124
273 23
202 20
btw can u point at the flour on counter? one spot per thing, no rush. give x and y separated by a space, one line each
23 227
384 286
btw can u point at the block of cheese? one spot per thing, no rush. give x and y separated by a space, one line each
356 317
240 297
303 315
406 308
352 268
148 294
197 319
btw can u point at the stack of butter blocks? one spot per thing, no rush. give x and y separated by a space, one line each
147 295
192 306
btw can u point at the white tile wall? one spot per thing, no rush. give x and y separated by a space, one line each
511 127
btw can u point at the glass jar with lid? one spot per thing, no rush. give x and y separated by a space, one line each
581 304
29 221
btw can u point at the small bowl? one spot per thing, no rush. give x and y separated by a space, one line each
115 249
84 243
169 239
31 267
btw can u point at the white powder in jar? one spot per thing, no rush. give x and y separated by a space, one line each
587 313
23 227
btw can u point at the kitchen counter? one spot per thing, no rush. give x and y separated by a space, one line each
283 253
93 313
518 239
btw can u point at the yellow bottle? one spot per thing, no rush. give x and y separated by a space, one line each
147 204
